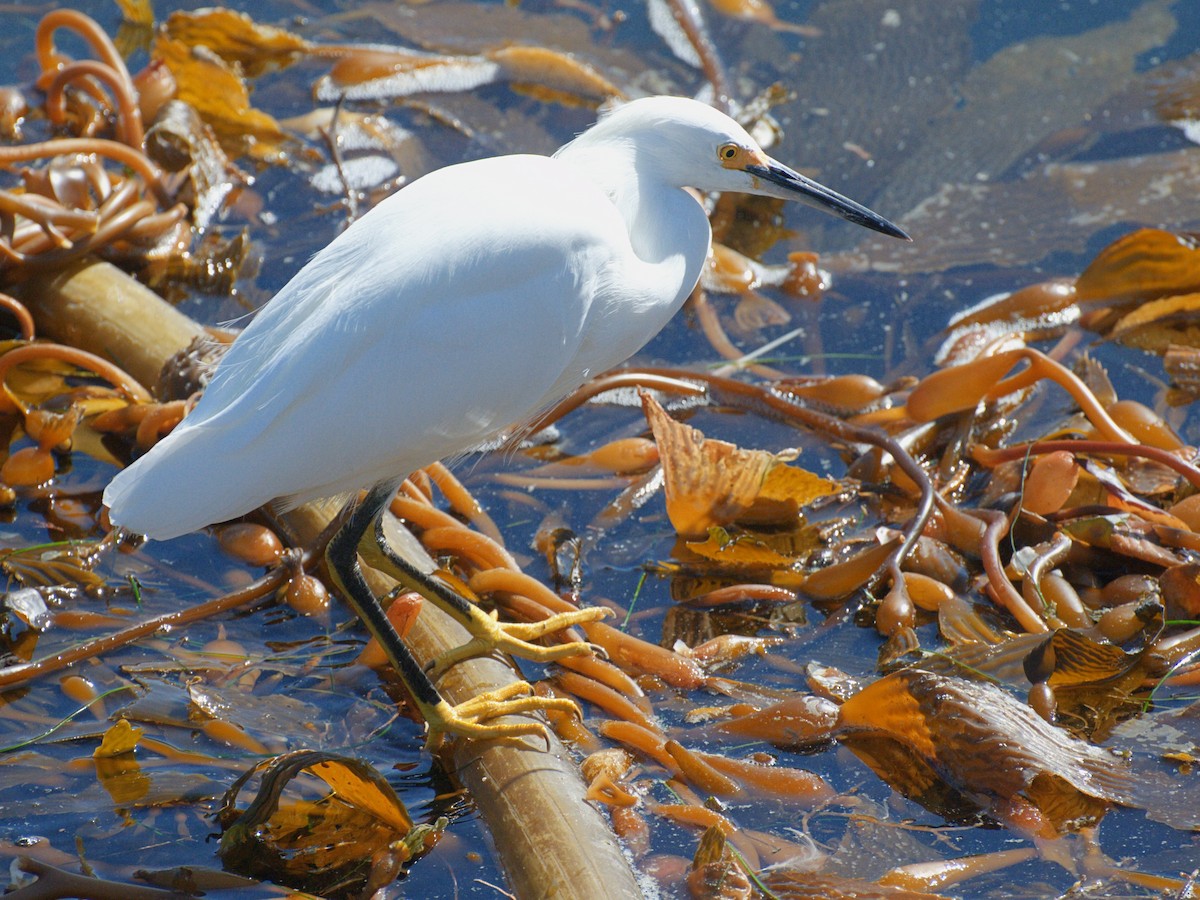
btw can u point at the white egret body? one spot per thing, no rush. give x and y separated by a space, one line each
465 303
404 341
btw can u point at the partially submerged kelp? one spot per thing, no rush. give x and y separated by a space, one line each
1012 526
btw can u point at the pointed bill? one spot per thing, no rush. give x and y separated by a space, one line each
791 185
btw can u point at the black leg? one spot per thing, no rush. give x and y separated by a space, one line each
488 635
342 557
469 719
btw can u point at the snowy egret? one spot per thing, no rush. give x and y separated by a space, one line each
465 303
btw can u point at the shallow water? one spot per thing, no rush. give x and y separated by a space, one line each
892 102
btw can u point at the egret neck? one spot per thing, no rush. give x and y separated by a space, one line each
667 227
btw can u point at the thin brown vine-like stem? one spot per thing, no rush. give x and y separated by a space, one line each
87 28
18 675
771 402
20 312
1041 366
710 323
46 212
1002 589
687 14
124 101
333 138
677 383
774 404
114 150
991 457
118 378
53 882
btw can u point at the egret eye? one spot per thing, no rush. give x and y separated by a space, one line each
728 152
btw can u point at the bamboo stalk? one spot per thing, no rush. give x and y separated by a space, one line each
97 307
549 840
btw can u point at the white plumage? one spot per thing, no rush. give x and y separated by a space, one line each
463 304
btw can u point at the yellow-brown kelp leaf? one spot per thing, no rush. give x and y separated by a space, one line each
1143 265
359 826
742 551
849 575
121 737
1156 325
998 752
137 12
136 29
122 777
1123 534
1111 491
799 487
784 492
958 388
237 38
1093 681
1079 660
380 74
707 483
1044 301
761 11
383 73
540 67
217 91
363 788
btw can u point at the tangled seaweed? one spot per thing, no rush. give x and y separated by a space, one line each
1022 539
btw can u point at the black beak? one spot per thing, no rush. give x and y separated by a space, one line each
796 187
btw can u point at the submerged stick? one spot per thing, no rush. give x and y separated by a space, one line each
95 306
548 839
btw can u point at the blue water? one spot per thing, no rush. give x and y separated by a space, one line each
875 322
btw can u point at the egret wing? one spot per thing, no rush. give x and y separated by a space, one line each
442 316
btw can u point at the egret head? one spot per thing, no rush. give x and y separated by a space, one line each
694 145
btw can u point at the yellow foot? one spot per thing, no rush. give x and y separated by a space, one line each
472 719
491 635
